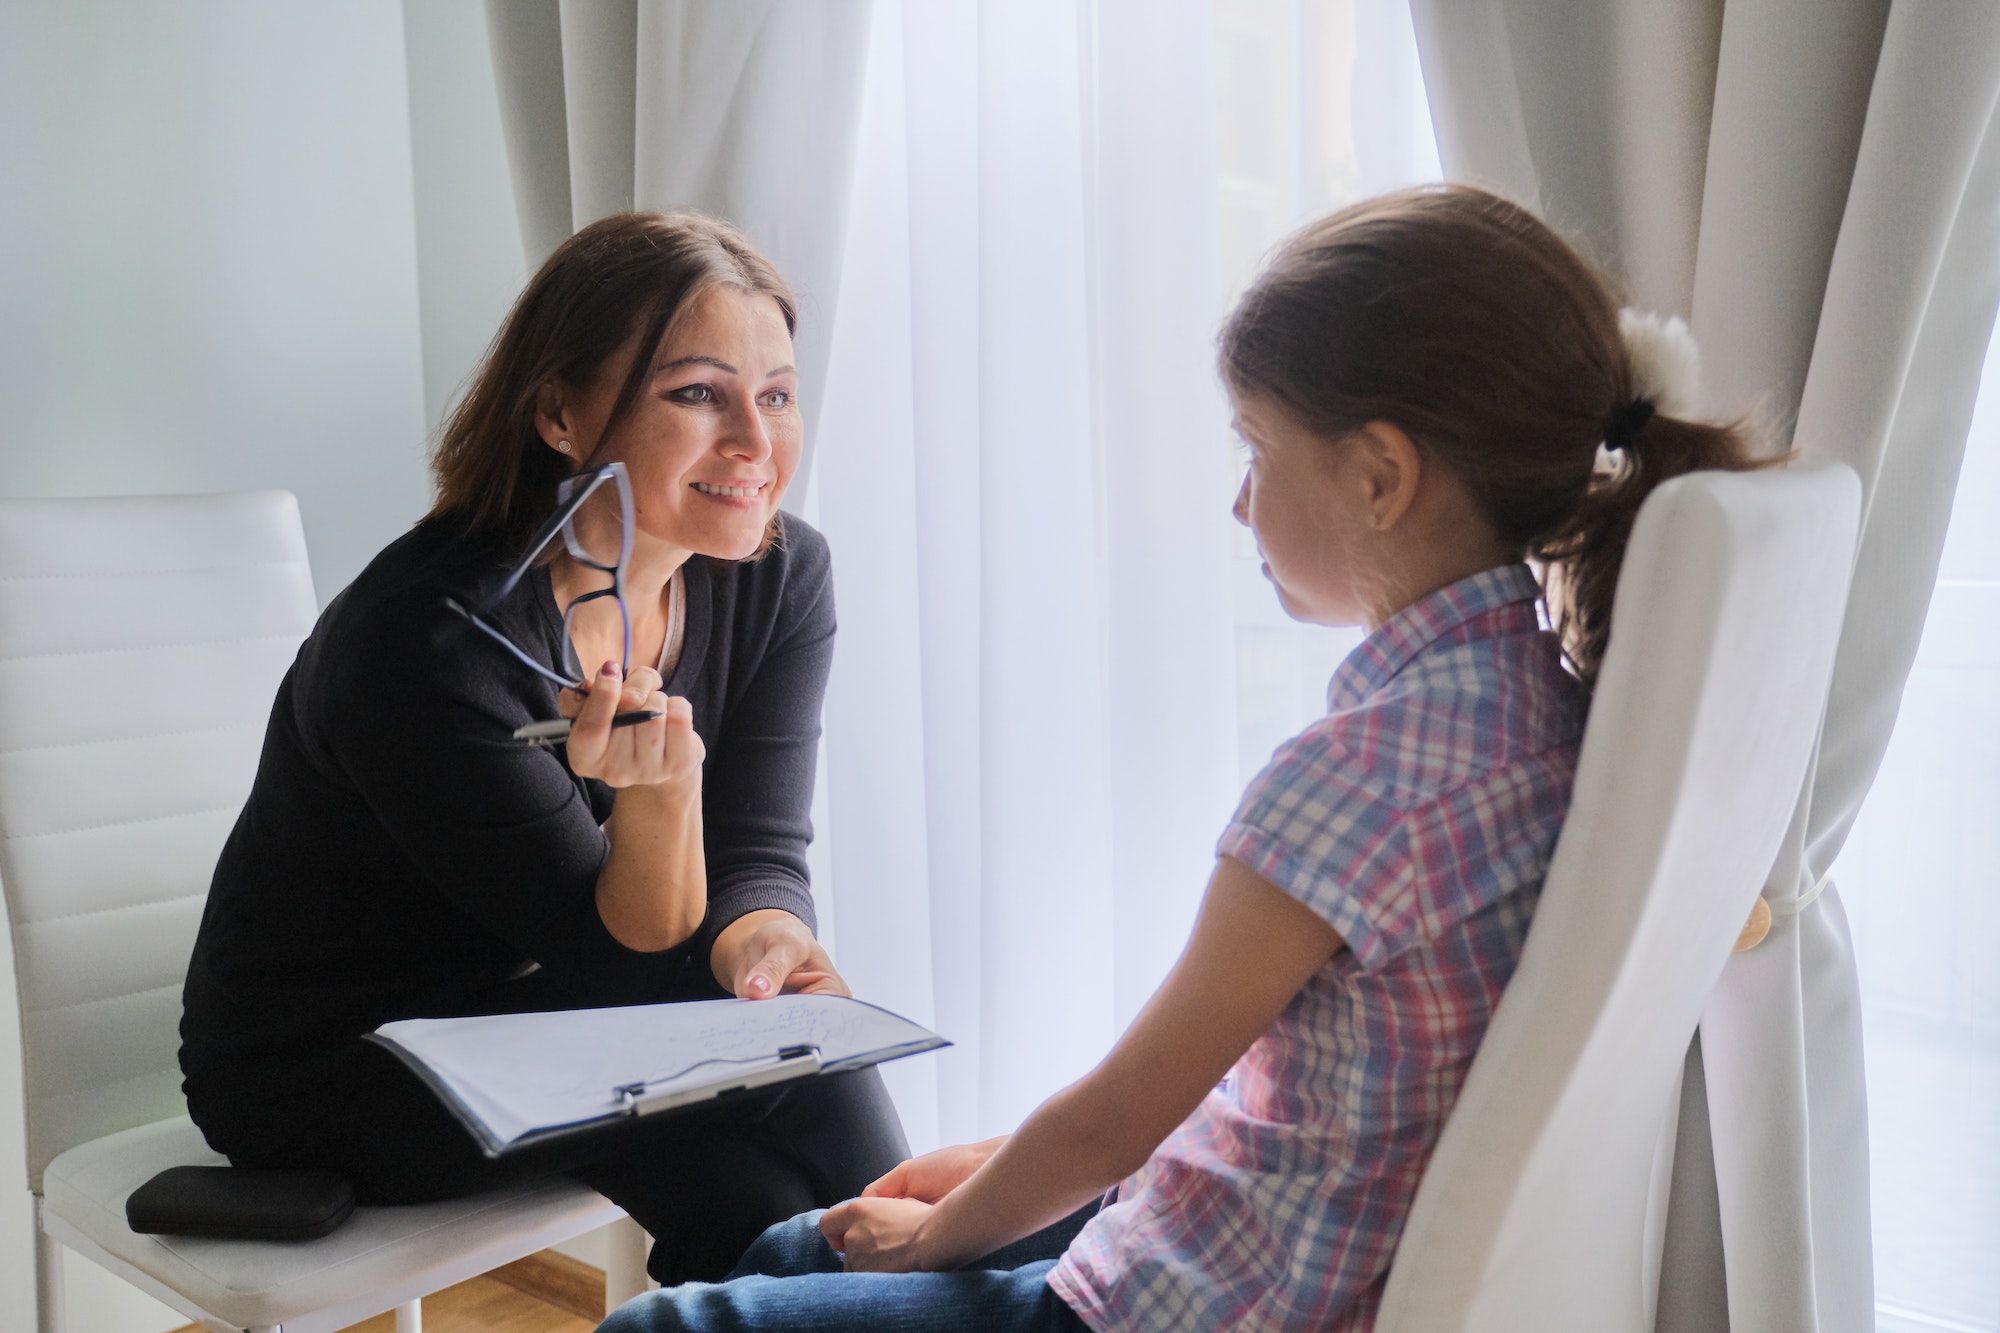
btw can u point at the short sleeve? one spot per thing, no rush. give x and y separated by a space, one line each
1318 826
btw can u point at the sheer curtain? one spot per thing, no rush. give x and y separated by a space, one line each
1029 748
1001 215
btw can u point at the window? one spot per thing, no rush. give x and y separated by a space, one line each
1918 879
1319 103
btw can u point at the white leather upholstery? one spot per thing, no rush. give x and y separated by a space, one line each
1534 1213
140 643
379 1258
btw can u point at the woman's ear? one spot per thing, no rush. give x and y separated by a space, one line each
1392 470
553 419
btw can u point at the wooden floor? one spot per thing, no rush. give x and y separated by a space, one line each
496 1303
485 1305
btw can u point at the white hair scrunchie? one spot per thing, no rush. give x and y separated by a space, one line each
1666 364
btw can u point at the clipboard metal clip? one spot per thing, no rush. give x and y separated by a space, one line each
790 1062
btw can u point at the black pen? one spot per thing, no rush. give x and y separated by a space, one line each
556 732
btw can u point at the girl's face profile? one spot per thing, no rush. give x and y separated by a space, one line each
714 435
1307 513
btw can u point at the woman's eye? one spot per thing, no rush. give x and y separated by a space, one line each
778 399
695 393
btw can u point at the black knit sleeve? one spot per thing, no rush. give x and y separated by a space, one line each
418 711
758 778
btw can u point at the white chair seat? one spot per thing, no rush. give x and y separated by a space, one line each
377 1259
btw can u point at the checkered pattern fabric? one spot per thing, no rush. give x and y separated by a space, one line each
1417 817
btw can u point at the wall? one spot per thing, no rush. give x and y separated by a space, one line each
209 246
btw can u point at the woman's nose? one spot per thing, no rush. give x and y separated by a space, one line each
749 435
1242 506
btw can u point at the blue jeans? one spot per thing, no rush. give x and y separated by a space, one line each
791 1279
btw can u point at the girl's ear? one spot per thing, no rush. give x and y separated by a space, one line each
1393 469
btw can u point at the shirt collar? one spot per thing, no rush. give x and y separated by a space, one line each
1398 640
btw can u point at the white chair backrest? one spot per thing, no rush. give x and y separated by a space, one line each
141 642
1533 1214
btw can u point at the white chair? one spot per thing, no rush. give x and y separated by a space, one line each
141 641
1542 1208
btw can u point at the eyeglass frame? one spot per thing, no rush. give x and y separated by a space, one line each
571 495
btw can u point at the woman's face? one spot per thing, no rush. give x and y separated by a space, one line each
714 434
1308 513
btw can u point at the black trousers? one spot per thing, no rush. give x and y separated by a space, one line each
704 1182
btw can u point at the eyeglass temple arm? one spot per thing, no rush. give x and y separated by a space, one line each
453 604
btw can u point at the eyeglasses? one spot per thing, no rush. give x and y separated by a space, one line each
593 520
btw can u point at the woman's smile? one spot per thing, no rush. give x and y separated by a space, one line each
749 493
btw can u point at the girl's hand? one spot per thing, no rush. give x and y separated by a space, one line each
877 1235
770 952
929 1178
665 751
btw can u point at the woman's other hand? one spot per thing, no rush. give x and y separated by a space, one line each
877 1235
929 1178
663 752
770 952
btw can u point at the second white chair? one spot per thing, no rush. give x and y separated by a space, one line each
141 641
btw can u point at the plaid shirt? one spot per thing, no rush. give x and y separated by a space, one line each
1418 818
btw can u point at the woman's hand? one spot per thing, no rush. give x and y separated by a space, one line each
663 752
878 1235
770 952
929 1178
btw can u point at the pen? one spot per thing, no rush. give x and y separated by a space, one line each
557 731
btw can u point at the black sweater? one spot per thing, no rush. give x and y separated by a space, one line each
402 856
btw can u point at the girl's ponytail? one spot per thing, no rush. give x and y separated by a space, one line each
1649 438
1463 320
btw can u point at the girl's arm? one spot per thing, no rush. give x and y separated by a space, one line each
1252 949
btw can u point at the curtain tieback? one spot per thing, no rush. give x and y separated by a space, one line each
1761 912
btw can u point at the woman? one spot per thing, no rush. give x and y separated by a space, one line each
402 854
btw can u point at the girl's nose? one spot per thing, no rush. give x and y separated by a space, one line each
1242 506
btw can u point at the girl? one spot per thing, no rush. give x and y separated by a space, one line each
1424 382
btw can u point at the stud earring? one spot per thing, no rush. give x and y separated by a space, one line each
563 445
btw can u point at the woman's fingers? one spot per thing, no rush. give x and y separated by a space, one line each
766 976
640 686
590 729
782 956
663 749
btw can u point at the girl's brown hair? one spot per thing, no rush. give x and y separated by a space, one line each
625 275
1467 323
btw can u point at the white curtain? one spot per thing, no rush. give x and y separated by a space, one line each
1815 187
746 110
1021 463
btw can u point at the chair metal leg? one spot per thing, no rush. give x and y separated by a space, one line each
49 1312
410 1317
625 1266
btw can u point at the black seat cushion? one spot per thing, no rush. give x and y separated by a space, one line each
234 1203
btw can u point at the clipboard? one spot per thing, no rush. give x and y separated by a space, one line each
519 1079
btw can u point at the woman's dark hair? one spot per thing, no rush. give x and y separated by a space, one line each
1467 323
628 274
